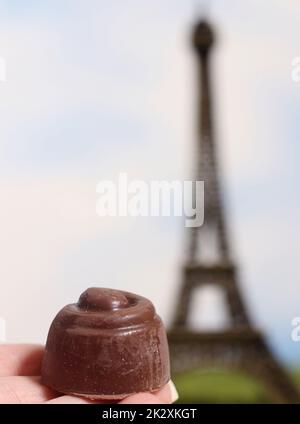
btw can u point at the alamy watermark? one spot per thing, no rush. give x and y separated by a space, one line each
3 70
295 72
154 198
295 333
2 330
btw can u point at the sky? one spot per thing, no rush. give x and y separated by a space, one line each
95 88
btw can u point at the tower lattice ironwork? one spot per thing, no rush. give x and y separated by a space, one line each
209 262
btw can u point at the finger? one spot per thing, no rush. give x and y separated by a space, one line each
20 359
142 398
167 394
24 390
68 399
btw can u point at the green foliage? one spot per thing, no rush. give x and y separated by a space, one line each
221 387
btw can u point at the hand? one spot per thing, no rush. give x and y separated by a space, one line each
20 369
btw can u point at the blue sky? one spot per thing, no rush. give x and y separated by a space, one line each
95 88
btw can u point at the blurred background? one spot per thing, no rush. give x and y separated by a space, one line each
95 88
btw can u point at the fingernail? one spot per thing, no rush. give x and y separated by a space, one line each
174 393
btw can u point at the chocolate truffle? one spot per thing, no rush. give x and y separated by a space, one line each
108 345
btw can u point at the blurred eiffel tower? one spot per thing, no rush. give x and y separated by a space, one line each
241 346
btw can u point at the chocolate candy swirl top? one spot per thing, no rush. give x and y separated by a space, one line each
107 308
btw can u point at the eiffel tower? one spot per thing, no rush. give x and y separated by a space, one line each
241 346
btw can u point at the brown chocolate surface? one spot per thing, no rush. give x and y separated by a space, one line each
110 344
